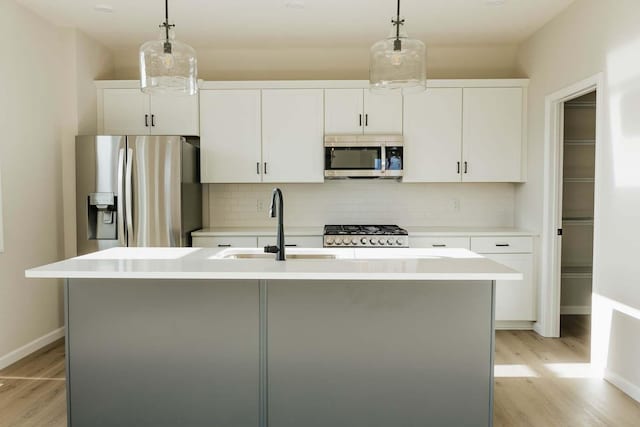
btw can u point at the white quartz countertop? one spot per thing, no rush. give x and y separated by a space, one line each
319 230
349 264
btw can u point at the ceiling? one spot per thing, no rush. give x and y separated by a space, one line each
242 24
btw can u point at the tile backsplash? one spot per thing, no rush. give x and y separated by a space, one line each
365 201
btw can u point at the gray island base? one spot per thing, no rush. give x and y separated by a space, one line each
279 353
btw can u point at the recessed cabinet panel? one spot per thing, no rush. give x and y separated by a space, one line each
292 135
343 111
492 134
433 136
230 140
174 115
382 113
125 112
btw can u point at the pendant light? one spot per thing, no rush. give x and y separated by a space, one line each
167 65
397 63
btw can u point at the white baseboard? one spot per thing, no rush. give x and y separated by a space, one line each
629 388
575 309
27 349
517 325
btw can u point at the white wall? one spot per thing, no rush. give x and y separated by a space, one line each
329 64
365 201
594 36
31 106
46 80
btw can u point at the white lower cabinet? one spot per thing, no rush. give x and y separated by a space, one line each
515 299
439 242
225 242
292 241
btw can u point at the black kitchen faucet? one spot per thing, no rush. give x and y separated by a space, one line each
279 248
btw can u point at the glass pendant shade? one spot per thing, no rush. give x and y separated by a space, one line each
398 64
168 66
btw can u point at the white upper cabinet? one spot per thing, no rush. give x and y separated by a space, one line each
433 135
382 113
357 111
230 136
492 134
343 111
128 111
174 115
292 135
125 112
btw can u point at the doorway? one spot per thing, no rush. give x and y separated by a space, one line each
570 210
576 205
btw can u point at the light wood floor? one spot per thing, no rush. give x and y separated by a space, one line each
539 382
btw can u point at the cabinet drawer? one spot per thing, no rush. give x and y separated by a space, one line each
292 241
439 242
502 245
225 242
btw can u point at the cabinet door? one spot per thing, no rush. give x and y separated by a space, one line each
230 136
343 112
383 113
292 241
433 136
492 134
515 299
125 112
174 115
292 135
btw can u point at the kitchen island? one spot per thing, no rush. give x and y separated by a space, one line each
330 337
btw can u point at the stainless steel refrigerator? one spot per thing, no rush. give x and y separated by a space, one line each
137 191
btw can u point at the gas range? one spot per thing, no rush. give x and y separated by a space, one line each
365 236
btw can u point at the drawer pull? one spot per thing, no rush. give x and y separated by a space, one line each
226 245
291 246
502 245
439 246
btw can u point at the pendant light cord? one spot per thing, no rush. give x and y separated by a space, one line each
397 43
167 27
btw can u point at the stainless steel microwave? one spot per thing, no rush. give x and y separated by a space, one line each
363 156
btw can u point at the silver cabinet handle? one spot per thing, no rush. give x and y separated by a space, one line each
128 190
122 237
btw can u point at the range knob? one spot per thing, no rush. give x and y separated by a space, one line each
330 241
373 241
363 241
389 241
354 241
338 241
399 242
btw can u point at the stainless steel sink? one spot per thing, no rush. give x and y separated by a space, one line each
241 255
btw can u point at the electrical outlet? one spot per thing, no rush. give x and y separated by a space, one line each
259 205
456 205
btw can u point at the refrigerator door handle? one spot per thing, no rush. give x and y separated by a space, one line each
129 197
122 237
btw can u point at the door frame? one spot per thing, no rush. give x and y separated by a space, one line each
548 324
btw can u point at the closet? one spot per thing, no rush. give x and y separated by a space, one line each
577 204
